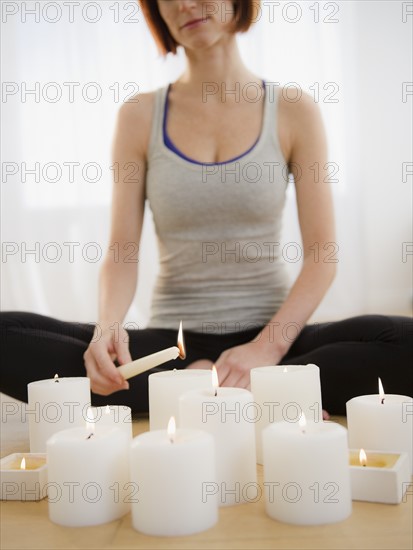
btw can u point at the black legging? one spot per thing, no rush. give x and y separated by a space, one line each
351 354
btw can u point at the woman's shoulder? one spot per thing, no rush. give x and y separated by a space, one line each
135 118
295 103
298 112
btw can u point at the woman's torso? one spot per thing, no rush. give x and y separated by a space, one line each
217 194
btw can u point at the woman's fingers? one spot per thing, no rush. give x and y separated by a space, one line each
99 383
104 376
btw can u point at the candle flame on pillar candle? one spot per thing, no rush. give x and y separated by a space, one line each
181 343
302 422
107 410
363 457
381 392
172 429
285 369
56 378
23 464
215 381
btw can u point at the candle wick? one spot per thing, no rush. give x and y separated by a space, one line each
364 465
90 435
382 401
216 392
57 381
171 439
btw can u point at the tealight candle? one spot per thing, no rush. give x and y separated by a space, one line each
379 476
23 476
114 416
151 361
170 469
306 472
382 422
283 392
166 387
228 414
88 478
53 405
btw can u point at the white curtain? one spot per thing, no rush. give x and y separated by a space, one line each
67 68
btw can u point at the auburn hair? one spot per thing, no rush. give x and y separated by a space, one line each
246 12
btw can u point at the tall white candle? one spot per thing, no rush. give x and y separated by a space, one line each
306 473
282 393
381 422
229 417
166 387
88 476
112 416
171 474
53 405
150 361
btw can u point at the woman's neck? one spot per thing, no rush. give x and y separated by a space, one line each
215 68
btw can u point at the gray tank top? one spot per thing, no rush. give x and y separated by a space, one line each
218 231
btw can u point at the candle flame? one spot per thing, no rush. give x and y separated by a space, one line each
56 378
285 369
23 464
381 392
172 429
215 381
302 422
363 457
181 342
107 410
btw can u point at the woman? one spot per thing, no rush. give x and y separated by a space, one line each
193 146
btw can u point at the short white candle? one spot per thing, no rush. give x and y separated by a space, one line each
282 392
229 417
170 472
113 416
381 422
379 476
306 473
88 476
53 405
166 387
23 476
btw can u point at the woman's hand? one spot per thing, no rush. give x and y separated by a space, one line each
104 347
234 364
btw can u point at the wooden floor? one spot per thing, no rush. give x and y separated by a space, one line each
375 526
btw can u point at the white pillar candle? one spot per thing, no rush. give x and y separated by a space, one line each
88 476
53 405
282 393
166 387
306 473
113 416
381 422
170 474
229 416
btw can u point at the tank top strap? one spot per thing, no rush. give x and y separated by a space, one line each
270 122
156 140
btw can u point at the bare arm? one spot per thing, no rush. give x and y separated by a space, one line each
315 212
307 146
118 275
